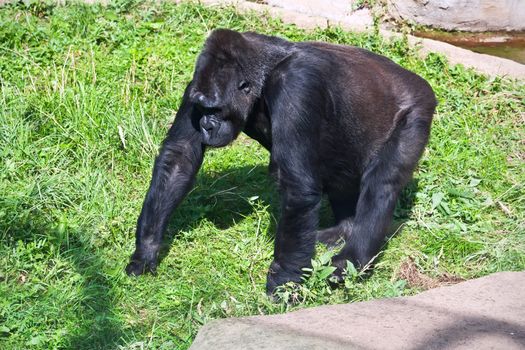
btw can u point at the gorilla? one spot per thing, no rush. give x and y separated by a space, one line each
337 120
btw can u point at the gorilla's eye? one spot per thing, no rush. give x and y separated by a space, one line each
244 86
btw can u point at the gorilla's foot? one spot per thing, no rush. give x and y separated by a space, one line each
278 276
341 261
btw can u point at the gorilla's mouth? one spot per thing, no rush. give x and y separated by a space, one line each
209 123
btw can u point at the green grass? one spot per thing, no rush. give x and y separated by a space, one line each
72 186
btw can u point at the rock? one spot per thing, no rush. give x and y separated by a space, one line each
467 15
485 313
338 11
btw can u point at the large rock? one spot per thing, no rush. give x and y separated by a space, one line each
468 15
485 313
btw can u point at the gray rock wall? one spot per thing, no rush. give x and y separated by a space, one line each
467 15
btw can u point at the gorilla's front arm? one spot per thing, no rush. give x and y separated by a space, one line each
175 168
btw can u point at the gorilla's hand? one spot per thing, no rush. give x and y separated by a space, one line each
141 263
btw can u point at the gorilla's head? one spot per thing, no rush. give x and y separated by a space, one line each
223 89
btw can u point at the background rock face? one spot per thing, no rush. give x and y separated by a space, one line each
467 15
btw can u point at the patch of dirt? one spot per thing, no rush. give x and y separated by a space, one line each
417 279
22 278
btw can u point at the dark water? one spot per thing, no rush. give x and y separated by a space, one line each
506 45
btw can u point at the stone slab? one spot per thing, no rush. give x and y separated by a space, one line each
484 313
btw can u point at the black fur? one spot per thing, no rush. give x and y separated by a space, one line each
338 120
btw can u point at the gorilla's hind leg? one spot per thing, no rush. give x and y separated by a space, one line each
383 179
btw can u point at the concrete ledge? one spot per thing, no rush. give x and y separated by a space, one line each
484 313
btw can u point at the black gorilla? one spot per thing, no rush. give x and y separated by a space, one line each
338 120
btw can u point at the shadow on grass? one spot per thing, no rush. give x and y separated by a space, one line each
97 326
222 198
101 328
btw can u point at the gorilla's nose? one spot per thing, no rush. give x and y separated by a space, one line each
200 99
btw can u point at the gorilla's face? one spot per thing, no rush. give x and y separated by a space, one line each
221 96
